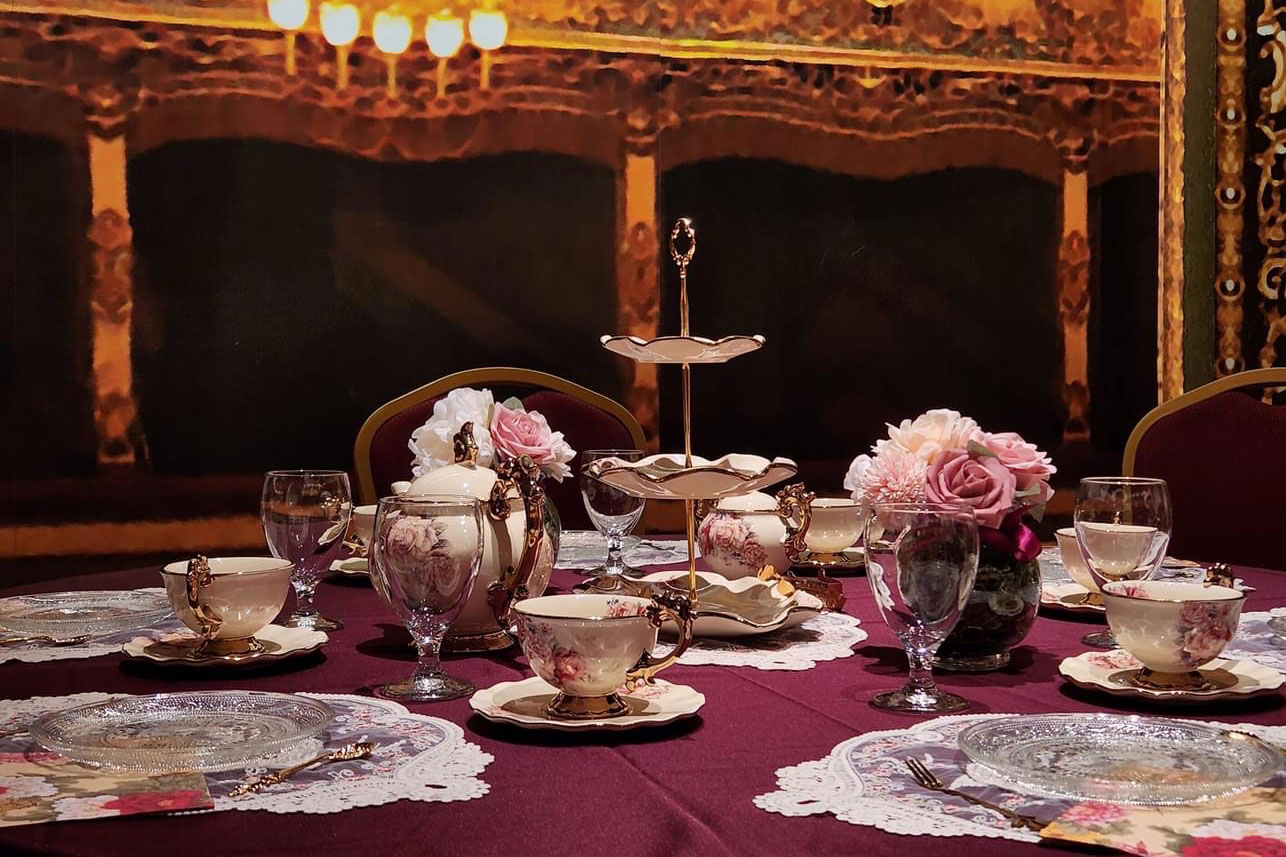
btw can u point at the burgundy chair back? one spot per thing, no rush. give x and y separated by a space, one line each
584 426
1225 461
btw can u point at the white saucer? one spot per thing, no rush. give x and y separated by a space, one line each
521 703
1102 670
179 649
354 566
1069 597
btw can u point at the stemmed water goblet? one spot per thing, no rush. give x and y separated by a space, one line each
921 560
424 559
613 512
305 514
1122 530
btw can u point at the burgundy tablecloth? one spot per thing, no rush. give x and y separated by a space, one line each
684 789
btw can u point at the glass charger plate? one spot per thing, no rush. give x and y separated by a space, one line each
1120 758
197 731
71 614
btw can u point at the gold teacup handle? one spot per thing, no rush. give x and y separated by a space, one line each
199 577
795 501
664 606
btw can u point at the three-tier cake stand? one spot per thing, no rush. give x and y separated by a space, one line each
687 477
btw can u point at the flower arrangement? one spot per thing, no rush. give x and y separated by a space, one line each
501 430
944 457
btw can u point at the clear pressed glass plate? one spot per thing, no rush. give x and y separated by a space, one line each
198 731
70 614
1119 758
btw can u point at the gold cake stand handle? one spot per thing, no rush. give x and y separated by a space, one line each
664 606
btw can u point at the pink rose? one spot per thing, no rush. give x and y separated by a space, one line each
516 432
983 483
1030 466
1094 814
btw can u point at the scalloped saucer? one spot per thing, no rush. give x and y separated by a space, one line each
522 704
682 349
179 649
354 566
1105 671
1069 597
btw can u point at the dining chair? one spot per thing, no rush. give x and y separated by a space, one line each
1222 450
588 420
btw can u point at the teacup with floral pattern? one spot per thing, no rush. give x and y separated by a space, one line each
589 646
1172 627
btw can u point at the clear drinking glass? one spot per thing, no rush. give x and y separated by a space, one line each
921 560
425 556
1122 529
305 514
613 512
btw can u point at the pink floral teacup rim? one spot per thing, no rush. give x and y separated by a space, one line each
1171 591
548 607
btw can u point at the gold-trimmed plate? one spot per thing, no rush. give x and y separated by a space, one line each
179 649
682 349
521 704
668 477
1233 679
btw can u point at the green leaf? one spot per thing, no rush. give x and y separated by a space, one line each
978 449
514 403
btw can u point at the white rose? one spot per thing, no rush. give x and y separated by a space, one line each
433 443
934 431
853 479
563 454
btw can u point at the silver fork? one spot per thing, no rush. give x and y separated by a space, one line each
929 780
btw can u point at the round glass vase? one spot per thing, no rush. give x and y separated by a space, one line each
1000 611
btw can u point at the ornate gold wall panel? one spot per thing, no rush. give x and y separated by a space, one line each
1270 159
1230 124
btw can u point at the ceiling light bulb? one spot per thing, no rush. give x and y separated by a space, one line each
392 31
288 14
340 23
445 34
488 29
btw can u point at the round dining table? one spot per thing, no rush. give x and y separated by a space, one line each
686 788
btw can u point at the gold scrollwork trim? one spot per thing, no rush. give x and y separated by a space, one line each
1270 202
1170 298
1230 188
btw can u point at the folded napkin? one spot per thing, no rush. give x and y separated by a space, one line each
37 786
1251 824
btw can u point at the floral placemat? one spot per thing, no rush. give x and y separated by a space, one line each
584 550
864 781
1255 641
417 757
38 787
1251 824
827 637
108 644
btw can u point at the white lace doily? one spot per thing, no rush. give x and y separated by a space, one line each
827 637
865 781
418 758
583 550
1255 641
108 644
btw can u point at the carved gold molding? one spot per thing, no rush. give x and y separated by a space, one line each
1230 189
1171 221
1094 39
1270 202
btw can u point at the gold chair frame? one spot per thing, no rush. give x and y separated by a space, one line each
487 375
1251 378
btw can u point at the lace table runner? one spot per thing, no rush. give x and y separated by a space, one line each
864 781
584 550
108 644
827 637
418 758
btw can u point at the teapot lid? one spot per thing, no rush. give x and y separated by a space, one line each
470 480
755 501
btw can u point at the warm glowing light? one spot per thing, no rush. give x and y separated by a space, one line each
488 29
445 34
392 32
340 23
288 14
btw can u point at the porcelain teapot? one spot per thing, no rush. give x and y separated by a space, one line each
741 535
518 551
